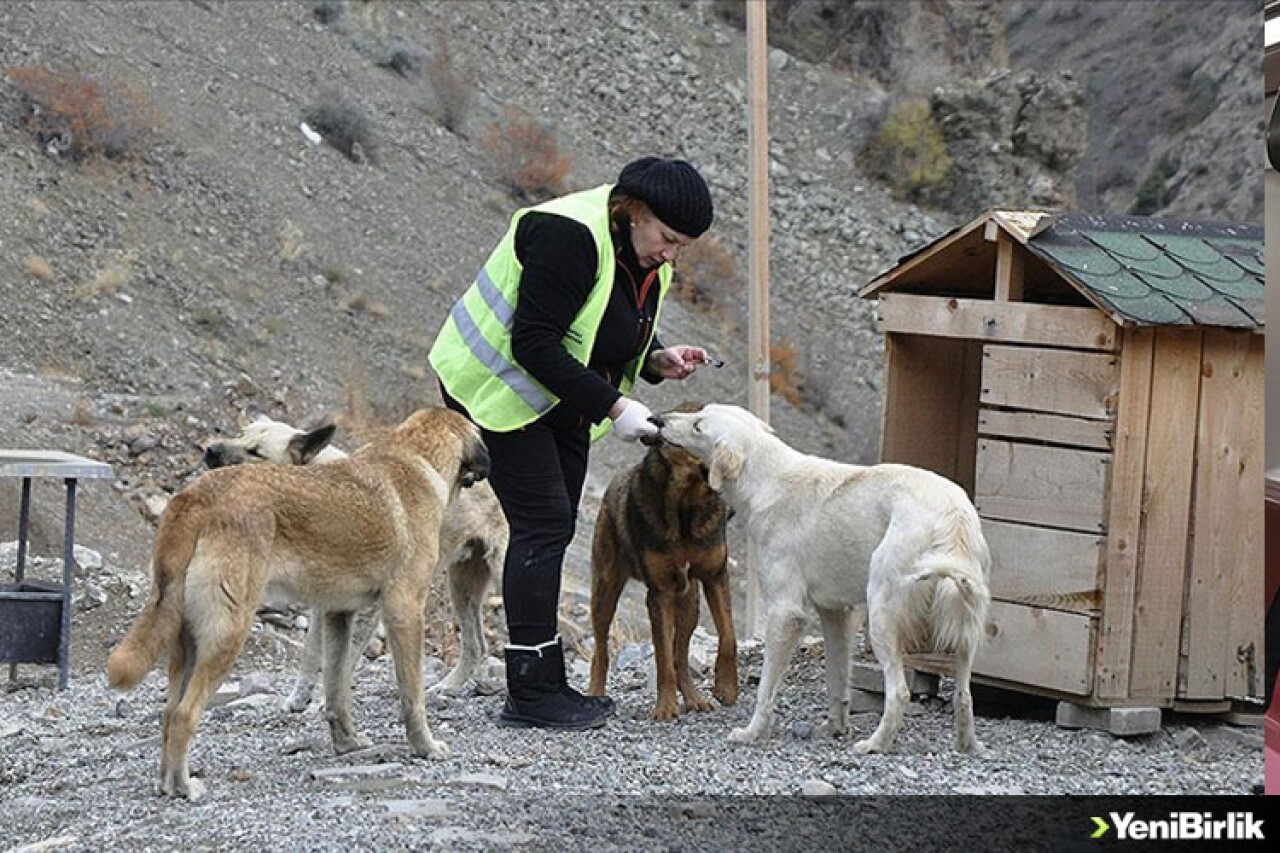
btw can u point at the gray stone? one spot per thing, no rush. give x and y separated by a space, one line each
87 558
1190 740
480 780
869 676
415 808
1122 722
802 730
818 788
255 683
357 771
865 702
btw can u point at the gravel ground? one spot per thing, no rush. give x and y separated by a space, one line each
77 769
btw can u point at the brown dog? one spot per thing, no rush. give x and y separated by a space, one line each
662 524
339 536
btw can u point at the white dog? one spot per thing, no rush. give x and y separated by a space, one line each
473 544
905 540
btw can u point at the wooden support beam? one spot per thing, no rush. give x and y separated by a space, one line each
1015 322
1010 270
758 254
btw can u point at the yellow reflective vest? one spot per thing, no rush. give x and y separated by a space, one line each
472 354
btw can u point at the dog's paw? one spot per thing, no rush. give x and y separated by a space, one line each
192 789
868 745
454 688
341 746
744 735
433 748
725 694
667 710
696 702
973 748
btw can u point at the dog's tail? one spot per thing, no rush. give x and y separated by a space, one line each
958 608
159 623
956 567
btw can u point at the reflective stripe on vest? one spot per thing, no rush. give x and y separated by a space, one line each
510 375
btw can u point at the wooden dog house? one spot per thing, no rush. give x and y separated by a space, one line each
1096 384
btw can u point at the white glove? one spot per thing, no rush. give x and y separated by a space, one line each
634 422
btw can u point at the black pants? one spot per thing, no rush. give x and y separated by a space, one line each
537 474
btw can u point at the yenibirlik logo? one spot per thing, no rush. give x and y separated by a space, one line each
1182 826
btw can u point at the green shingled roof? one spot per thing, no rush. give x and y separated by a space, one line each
1160 271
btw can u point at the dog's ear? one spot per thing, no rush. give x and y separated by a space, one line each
304 446
726 464
247 415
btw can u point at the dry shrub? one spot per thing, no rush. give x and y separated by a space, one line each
371 410
706 277
73 113
291 245
343 125
785 377
454 87
526 158
106 282
909 151
83 412
402 58
38 267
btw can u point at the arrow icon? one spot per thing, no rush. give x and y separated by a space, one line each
1103 826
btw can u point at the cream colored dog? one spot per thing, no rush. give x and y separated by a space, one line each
904 540
341 536
473 544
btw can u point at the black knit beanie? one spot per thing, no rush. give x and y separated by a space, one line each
673 189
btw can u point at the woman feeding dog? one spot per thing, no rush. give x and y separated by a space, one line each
541 353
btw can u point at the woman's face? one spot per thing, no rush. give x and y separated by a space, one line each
655 244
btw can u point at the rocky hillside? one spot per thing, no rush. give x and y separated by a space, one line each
1165 90
206 255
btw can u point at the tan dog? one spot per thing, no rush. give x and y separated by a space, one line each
473 544
340 536
904 540
661 523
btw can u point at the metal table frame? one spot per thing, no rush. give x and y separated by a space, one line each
29 465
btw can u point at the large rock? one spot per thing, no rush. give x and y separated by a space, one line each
1013 138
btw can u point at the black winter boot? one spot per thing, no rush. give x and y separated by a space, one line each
539 695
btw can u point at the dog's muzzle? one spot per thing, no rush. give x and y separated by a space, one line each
651 440
477 468
219 455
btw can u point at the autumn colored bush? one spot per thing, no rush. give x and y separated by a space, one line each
452 84
785 377
909 151
525 156
706 277
77 115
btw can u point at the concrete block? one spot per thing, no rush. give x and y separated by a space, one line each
1121 722
869 676
865 702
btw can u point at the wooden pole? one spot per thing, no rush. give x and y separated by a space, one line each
758 253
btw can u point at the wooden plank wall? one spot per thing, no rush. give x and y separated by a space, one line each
1038 566
1167 481
1124 514
1053 486
1045 435
1222 625
1036 646
1049 380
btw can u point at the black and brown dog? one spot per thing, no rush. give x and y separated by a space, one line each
661 523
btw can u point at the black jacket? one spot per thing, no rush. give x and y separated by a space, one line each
559 259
